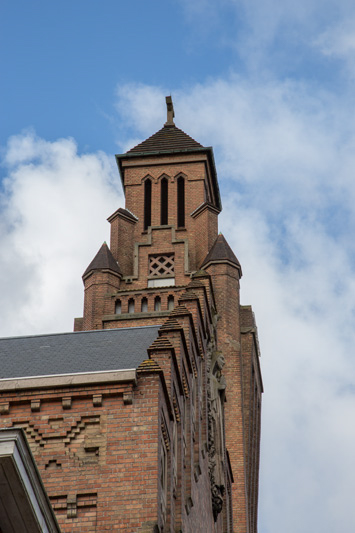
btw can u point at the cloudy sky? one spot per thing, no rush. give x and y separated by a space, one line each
270 85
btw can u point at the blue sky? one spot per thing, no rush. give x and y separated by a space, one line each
270 85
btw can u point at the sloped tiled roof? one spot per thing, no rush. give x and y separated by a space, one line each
221 251
71 353
168 138
103 260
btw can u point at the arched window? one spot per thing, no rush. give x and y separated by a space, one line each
147 203
144 305
181 202
118 307
164 201
131 305
157 303
170 302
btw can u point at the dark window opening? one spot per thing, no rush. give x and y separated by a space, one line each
144 306
147 203
157 303
164 201
181 202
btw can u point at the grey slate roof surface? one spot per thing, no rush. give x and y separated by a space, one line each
168 138
70 353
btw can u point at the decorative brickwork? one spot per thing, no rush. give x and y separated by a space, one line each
161 265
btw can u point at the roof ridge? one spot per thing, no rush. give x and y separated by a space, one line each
85 332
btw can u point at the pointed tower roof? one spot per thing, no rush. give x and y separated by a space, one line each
221 252
170 140
103 260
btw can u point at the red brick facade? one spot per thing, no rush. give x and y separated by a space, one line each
176 448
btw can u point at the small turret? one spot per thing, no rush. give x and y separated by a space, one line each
221 252
102 261
101 278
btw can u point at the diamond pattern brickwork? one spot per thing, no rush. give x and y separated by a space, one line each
161 265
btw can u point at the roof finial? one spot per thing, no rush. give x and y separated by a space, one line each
170 111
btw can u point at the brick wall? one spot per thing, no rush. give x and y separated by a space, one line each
97 451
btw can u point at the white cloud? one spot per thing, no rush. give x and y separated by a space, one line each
53 221
338 42
277 35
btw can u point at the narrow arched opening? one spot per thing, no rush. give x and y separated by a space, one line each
131 305
181 202
163 201
144 305
147 203
170 302
118 307
157 303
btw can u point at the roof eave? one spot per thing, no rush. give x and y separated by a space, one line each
237 266
88 273
68 380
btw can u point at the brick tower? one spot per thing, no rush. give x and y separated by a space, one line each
167 261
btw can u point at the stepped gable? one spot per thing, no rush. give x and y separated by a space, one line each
196 283
221 252
171 323
161 343
188 295
103 260
149 365
168 138
180 310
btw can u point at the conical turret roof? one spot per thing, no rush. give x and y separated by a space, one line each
103 260
221 252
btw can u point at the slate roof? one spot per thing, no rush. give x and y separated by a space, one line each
70 353
103 260
221 251
168 138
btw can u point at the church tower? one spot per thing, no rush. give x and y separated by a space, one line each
166 258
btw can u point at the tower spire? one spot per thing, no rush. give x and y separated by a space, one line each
169 111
